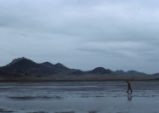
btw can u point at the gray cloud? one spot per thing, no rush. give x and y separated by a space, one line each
118 34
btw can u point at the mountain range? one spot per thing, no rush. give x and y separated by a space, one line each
24 69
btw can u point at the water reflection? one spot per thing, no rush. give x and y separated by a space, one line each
129 95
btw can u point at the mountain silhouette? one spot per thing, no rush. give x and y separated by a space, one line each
100 70
24 68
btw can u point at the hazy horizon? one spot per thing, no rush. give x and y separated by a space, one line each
116 34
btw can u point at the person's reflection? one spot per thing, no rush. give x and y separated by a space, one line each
129 91
129 96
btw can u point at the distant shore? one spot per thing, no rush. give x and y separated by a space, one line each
7 81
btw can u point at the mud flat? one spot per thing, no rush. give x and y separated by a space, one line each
79 97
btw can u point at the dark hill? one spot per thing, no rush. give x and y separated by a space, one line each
27 67
130 72
22 63
61 67
23 68
100 70
47 64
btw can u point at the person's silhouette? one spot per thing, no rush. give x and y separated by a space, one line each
129 87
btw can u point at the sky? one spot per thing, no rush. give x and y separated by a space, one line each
82 34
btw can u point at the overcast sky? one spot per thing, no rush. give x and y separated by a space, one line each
115 34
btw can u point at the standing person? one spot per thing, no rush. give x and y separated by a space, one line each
129 87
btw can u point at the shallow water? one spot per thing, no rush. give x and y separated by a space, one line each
79 97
